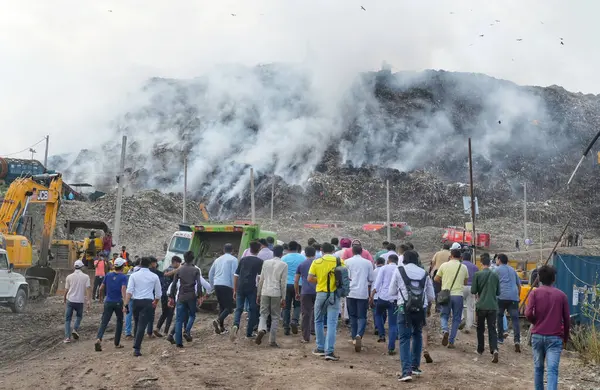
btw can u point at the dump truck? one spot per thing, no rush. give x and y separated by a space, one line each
14 289
207 241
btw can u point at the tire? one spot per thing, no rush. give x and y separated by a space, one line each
18 306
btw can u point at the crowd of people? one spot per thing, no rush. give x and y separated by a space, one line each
309 289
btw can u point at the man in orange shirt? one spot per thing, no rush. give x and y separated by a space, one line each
100 265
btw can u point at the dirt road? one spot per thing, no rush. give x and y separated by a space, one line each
33 356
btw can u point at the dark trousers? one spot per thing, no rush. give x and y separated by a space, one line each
97 283
513 310
307 306
357 311
241 298
290 302
488 316
109 309
167 314
150 325
225 298
142 312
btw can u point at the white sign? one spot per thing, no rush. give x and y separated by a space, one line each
467 205
575 296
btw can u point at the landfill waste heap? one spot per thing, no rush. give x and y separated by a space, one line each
410 128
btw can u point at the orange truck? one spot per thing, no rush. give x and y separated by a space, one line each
464 237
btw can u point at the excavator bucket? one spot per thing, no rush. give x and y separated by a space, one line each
42 281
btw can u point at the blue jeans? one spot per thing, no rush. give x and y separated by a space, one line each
183 309
78 308
456 307
548 349
129 319
330 306
410 327
381 309
357 311
513 310
241 298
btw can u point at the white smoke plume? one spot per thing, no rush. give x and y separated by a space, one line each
86 71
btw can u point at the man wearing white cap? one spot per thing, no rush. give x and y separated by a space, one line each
77 292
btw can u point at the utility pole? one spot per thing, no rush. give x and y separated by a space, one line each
272 196
524 212
185 163
32 151
541 242
46 153
120 180
387 197
473 235
252 195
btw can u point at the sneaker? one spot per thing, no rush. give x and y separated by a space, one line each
381 339
128 337
260 336
187 337
504 335
75 335
500 342
517 348
294 328
405 378
171 339
137 353
466 331
67 340
224 331
318 352
376 332
233 333
180 346
273 345
252 336
286 332
391 352
417 372
151 336
461 326
97 346
216 326
451 346
157 334
445 339
357 344
304 341
332 357
495 357
427 357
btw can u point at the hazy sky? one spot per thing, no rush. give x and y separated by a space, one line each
68 66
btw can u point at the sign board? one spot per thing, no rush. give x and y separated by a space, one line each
467 205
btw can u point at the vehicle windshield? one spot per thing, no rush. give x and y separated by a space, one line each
179 245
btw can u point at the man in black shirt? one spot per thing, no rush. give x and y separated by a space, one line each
167 312
187 278
245 288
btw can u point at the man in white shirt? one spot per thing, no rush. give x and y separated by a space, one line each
77 292
415 291
385 300
360 272
144 290
271 295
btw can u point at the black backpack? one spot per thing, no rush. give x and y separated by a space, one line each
415 300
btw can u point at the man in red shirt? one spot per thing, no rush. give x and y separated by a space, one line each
548 311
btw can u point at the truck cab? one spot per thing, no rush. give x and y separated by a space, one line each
207 241
14 289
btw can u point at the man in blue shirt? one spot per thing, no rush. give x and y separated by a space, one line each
307 296
293 259
115 285
220 277
510 290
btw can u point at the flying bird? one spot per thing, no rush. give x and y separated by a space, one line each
363 8
110 10
451 13
562 43
233 15
481 36
497 21
519 39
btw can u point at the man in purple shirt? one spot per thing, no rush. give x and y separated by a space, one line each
548 311
307 295
469 299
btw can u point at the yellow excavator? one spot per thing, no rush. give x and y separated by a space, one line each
38 189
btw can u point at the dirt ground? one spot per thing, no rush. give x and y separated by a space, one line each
33 355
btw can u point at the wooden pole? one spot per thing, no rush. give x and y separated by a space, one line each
473 235
387 195
252 195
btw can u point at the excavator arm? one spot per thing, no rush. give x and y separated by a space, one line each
204 212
